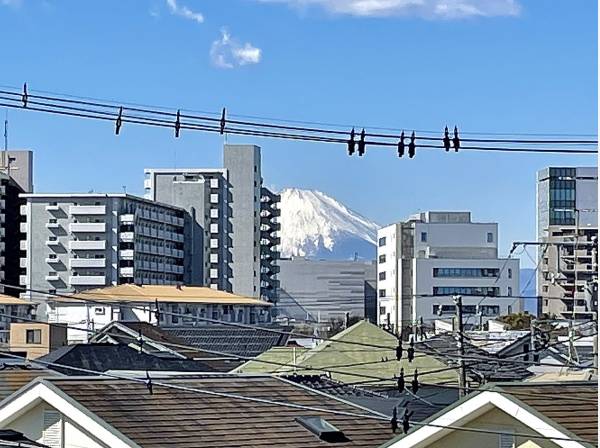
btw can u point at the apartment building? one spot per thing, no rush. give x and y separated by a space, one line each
10 234
425 261
18 164
235 221
75 242
567 228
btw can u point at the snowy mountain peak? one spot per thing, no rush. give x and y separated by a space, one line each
315 224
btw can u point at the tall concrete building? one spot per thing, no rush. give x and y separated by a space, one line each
18 164
10 233
235 221
423 262
203 194
567 227
75 242
320 290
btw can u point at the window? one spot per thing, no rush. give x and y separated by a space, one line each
52 256
98 311
382 258
382 293
490 237
423 237
509 291
506 440
382 241
382 275
382 310
33 336
509 273
466 272
466 290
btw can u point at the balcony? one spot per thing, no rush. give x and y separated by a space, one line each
96 227
23 227
87 209
126 254
128 218
52 260
87 262
127 237
23 245
52 242
52 225
22 280
87 280
87 245
52 277
51 207
22 262
23 210
126 271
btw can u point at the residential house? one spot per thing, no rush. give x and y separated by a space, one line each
177 306
10 309
523 415
202 411
35 339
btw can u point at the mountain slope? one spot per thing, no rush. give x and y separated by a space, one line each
314 224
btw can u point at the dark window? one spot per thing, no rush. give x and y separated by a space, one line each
423 237
382 258
33 336
382 241
382 293
382 275
466 290
490 237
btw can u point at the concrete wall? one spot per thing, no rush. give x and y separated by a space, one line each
21 167
244 180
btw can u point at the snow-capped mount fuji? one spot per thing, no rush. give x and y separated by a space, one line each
316 225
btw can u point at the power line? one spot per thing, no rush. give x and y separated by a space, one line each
154 117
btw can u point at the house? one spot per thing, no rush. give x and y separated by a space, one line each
205 343
351 363
104 357
524 415
11 308
36 339
185 412
177 305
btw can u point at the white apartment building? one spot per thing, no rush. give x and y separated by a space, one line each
75 242
423 262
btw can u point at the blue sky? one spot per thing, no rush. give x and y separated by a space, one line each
486 65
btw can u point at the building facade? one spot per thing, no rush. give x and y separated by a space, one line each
10 234
425 261
567 230
18 164
320 290
235 221
74 242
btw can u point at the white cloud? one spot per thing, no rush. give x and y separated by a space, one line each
433 9
226 52
184 11
11 3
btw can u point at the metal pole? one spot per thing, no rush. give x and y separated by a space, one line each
462 374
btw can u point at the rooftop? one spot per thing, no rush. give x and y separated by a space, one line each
185 419
13 377
10 300
163 293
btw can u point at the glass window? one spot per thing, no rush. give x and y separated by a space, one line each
382 258
423 237
382 275
33 336
382 241
490 237
509 273
382 293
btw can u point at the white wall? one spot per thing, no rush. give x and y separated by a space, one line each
391 284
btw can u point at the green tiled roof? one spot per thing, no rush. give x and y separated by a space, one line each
361 361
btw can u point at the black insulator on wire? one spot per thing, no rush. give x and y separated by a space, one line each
446 139
149 383
456 140
399 350
177 124
140 340
157 311
25 96
406 420
361 144
351 143
410 351
401 383
119 121
394 420
401 145
412 146
222 123
414 384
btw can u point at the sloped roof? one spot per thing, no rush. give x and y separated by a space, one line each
445 348
163 293
104 357
567 412
10 300
351 363
496 342
185 419
12 378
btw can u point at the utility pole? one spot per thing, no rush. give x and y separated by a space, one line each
462 374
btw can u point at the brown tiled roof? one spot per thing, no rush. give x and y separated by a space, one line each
571 412
183 419
12 378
